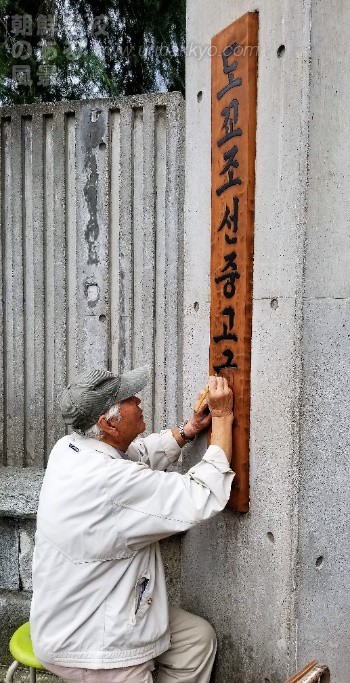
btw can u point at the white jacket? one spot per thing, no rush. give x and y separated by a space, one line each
99 521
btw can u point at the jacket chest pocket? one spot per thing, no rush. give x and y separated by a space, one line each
141 597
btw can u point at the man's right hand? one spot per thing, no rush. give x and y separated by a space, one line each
220 400
220 397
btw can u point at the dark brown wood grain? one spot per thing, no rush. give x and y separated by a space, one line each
233 121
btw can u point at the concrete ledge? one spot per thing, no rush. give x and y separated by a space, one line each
22 676
14 611
19 491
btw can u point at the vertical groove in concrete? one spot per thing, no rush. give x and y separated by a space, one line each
126 265
28 277
2 296
160 301
14 303
48 225
71 245
35 321
55 328
138 234
33 290
59 282
114 226
149 233
102 310
179 198
81 246
172 250
143 242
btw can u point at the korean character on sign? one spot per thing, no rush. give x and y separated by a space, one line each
231 163
230 114
229 278
230 221
229 355
227 334
229 69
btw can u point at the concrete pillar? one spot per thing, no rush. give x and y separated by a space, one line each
273 581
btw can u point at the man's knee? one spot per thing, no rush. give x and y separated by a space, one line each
207 636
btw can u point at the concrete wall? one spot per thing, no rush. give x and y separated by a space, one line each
273 582
323 601
91 263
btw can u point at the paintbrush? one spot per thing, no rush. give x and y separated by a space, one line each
201 399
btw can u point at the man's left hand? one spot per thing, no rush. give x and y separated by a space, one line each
199 421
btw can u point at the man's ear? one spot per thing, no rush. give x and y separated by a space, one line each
105 426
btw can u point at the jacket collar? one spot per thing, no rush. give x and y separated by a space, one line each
95 444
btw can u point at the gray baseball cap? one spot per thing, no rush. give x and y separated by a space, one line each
95 391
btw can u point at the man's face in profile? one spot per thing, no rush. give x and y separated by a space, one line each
131 422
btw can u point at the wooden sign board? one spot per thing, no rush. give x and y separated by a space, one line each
233 127
312 673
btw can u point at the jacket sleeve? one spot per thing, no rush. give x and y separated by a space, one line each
158 451
152 505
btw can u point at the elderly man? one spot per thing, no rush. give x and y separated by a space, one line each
99 612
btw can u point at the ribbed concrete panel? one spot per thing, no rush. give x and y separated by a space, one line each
91 246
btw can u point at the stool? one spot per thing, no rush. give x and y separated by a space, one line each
22 652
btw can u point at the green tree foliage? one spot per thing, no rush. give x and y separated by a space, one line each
76 49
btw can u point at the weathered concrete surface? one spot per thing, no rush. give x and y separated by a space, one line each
323 602
26 534
19 491
17 544
273 582
9 570
328 215
14 611
323 614
22 676
171 554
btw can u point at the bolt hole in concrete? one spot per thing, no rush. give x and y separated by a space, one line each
199 96
281 50
319 562
102 318
270 536
102 145
196 306
274 304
